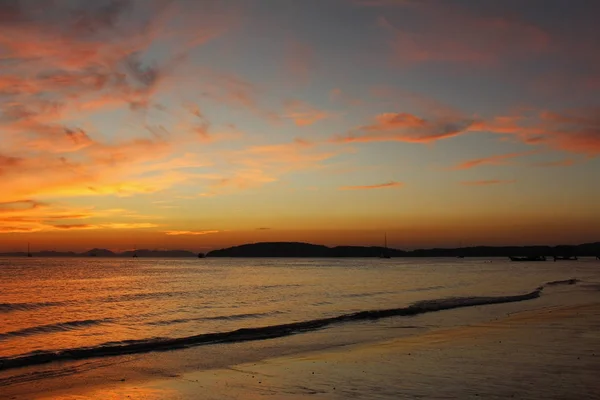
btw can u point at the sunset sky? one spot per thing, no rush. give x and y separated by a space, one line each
204 124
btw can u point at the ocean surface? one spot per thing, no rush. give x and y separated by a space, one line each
53 310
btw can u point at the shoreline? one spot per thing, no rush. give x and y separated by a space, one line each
403 367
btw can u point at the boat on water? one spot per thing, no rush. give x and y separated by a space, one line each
385 253
201 255
528 258
571 258
28 251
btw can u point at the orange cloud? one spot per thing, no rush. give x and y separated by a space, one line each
486 182
189 233
576 131
303 114
391 184
234 91
33 216
258 165
405 127
492 160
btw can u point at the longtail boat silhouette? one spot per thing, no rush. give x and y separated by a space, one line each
529 258
571 258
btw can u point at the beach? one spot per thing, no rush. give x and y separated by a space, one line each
543 347
522 355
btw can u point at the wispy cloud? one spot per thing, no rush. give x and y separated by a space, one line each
487 182
303 114
385 185
31 216
567 162
481 39
499 159
406 127
190 233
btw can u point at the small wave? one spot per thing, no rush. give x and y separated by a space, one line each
260 333
564 282
215 318
367 294
60 327
10 307
140 296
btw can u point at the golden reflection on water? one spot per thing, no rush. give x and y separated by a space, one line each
130 393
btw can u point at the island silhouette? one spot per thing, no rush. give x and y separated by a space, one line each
308 250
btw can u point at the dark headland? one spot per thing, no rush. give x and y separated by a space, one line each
296 249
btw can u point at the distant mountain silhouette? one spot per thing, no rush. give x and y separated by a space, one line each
159 253
294 249
298 249
99 253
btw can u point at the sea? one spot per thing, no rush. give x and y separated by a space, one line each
76 310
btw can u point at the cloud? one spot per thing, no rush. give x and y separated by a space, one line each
33 216
234 91
456 34
492 160
406 127
575 130
257 165
391 184
486 182
303 114
567 162
190 233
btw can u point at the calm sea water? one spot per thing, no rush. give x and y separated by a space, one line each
50 305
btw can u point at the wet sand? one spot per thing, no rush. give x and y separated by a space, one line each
540 353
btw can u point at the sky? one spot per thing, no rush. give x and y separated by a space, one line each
204 124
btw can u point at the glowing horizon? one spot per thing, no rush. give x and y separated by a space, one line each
202 125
